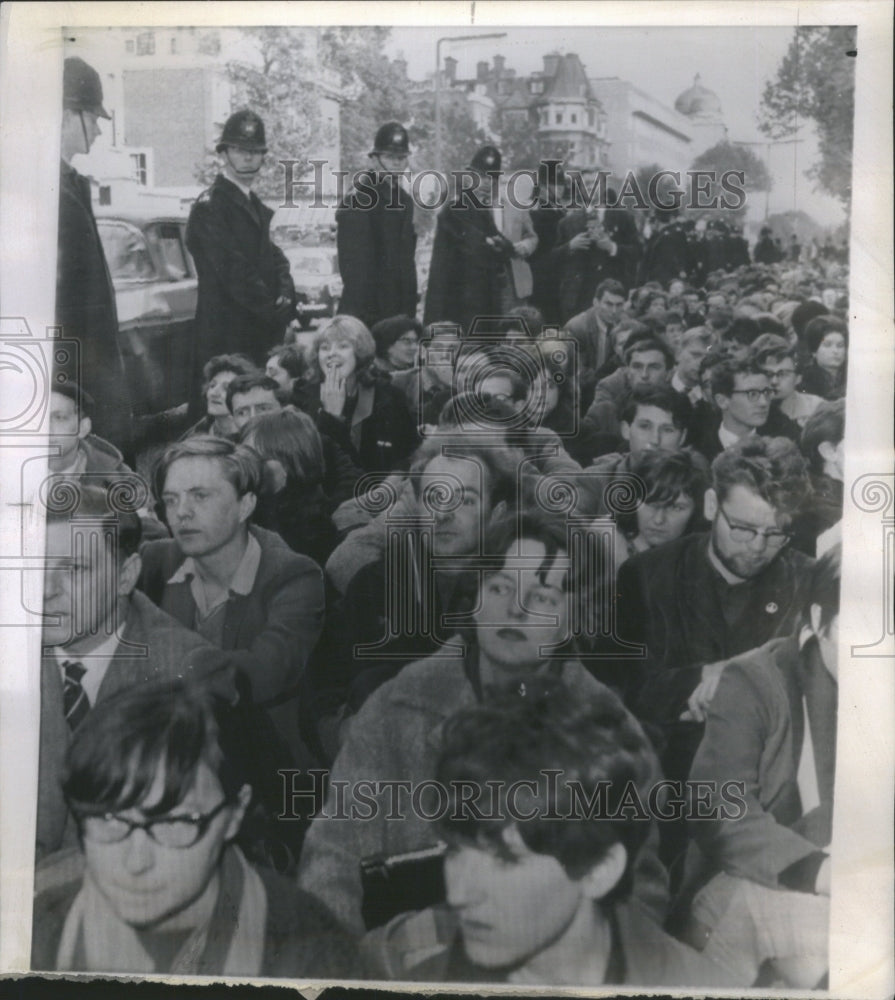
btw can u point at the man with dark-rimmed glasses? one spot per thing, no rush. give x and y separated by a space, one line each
160 783
703 598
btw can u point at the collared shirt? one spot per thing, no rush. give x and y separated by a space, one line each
210 616
727 438
77 467
692 392
95 664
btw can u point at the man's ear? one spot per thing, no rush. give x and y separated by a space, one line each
710 504
129 574
624 429
85 426
243 800
247 504
606 873
721 401
498 511
827 451
276 473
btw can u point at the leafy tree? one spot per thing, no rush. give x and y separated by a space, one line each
278 85
374 88
518 140
816 81
460 136
726 156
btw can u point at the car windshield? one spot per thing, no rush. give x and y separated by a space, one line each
126 251
306 264
167 238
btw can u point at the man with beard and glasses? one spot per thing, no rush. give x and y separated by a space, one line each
703 598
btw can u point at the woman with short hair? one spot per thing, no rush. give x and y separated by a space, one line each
352 403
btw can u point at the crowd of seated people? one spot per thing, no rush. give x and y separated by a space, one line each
399 564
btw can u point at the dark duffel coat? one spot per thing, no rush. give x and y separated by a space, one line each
466 276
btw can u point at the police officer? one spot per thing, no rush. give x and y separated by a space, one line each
85 297
246 295
667 252
376 235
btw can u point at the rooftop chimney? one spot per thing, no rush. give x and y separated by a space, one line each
481 71
450 69
551 61
498 64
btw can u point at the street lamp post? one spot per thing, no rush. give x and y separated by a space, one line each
449 38
767 143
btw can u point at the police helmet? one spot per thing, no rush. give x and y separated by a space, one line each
81 88
391 138
245 130
487 160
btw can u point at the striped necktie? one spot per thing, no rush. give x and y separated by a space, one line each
74 698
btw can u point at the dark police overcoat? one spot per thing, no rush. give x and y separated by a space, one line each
85 309
241 273
377 243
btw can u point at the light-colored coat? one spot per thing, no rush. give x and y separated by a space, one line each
397 736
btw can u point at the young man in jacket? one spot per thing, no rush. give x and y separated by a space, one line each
239 587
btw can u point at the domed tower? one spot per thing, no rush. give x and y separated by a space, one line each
703 108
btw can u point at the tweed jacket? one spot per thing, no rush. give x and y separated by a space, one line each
754 733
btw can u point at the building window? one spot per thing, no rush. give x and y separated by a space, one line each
105 194
590 117
139 164
146 43
173 45
574 118
209 44
559 118
129 46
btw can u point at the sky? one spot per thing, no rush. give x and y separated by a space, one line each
733 62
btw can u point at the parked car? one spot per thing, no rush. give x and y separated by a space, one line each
318 286
155 292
